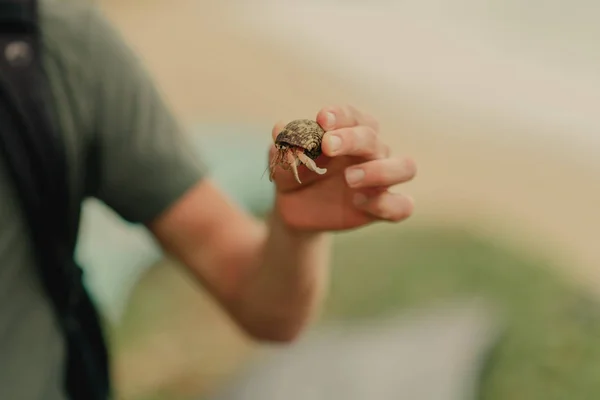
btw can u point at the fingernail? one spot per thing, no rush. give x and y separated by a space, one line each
335 143
354 176
359 199
330 119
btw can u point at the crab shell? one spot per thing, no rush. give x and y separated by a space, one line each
303 133
299 142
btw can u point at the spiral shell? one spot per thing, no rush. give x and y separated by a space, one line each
298 143
304 133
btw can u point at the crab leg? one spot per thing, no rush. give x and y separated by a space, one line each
310 163
272 166
271 173
293 162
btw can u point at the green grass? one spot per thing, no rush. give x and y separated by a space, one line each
551 347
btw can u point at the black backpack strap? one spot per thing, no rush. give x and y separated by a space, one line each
34 154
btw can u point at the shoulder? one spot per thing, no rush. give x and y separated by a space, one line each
88 62
67 26
78 36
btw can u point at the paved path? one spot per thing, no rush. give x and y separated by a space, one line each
431 354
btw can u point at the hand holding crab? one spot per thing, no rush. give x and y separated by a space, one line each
342 172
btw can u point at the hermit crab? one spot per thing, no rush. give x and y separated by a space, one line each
298 142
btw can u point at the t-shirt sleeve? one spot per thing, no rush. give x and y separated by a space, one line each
145 162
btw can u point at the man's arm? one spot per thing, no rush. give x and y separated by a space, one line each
269 278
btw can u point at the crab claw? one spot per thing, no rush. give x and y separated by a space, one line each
310 163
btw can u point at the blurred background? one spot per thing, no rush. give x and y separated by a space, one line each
496 100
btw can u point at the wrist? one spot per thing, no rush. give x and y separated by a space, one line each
278 225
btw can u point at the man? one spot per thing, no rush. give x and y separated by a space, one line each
125 148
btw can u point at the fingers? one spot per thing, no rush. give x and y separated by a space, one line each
337 117
385 206
360 141
349 132
385 172
371 180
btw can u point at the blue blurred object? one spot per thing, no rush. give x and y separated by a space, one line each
237 157
115 253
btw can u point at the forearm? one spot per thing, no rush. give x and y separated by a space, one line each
268 277
286 287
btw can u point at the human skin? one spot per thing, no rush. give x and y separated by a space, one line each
271 277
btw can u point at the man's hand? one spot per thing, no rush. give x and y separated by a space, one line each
272 277
355 190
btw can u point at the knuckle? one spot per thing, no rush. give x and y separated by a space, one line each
354 139
350 109
389 174
369 138
378 173
364 118
371 121
352 113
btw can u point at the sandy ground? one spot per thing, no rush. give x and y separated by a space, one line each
534 195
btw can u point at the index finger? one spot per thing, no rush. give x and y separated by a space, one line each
337 117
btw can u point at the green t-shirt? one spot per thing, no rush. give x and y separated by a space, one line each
104 99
